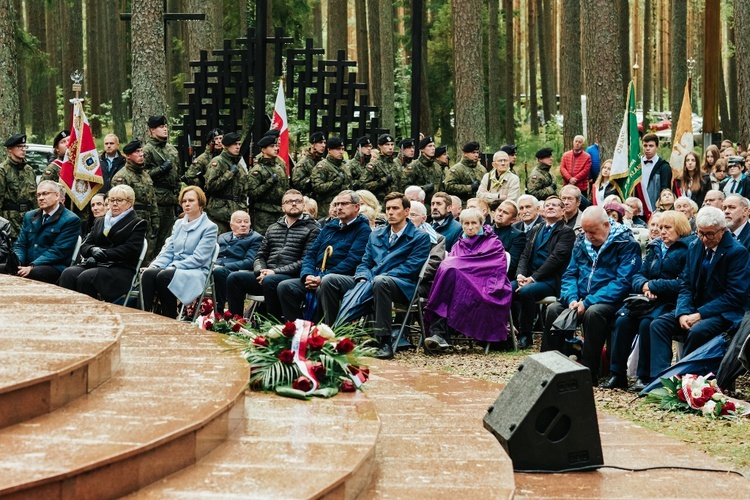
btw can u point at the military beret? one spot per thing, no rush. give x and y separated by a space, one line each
335 143
231 138
156 121
15 140
406 143
364 141
264 141
385 138
273 133
510 149
426 142
132 147
735 160
544 153
317 137
59 137
440 151
470 147
213 133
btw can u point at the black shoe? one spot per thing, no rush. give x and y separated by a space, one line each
638 386
615 382
524 342
386 351
436 343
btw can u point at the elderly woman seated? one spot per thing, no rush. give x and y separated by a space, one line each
181 268
110 252
471 293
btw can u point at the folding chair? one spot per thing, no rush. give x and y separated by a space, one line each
76 250
135 285
255 300
208 283
416 306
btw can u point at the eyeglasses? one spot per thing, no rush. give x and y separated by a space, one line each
709 234
118 200
44 194
294 202
341 203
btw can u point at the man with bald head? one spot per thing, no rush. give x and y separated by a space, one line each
714 198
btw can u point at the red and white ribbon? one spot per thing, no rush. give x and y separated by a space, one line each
299 347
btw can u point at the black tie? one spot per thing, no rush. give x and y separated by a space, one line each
734 186
707 261
647 162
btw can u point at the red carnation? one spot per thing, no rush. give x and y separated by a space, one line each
236 327
302 384
347 386
344 346
316 342
707 392
699 402
318 370
289 329
218 315
207 306
227 315
261 341
286 356
208 325
728 406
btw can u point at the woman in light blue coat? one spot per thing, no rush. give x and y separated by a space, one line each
180 269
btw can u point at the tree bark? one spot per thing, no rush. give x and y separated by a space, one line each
10 120
601 60
648 58
623 11
494 79
509 128
678 59
467 53
363 52
317 10
545 58
149 66
387 85
116 73
337 28
731 81
531 61
72 51
93 91
742 53
570 72
373 15
425 115
41 90
22 62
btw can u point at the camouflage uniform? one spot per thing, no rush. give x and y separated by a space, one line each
461 178
541 183
195 175
145 205
52 172
267 184
17 193
303 170
382 176
328 179
427 174
355 169
226 192
166 184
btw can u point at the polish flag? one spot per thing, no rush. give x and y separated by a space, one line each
281 124
80 172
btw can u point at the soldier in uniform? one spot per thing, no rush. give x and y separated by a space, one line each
226 183
59 147
134 174
195 175
383 174
329 177
406 151
17 184
161 161
442 159
301 179
355 167
511 150
267 184
541 183
425 172
463 178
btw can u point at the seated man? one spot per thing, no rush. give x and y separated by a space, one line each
482 206
605 259
540 268
713 288
279 257
737 212
237 250
571 198
418 217
347 235
528 213
443 221
513 240
47 238
393 258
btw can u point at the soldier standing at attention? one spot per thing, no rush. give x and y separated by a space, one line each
463 178
406 151
267 184
195 175
134 174
161 161
329 177
383 174
59 147
303 170
425 171
17 184
355 167
442 159
541 183
226 183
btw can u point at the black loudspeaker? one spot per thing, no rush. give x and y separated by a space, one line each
545 417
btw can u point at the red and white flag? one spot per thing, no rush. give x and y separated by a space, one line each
81 173
281 124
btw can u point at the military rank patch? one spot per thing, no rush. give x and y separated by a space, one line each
119 179
533 176
214 164
47 172
453 170
370 166
319 167
255 172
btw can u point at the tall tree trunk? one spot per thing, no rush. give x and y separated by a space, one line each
623 11
54 28
724 121
207 34
570 72
72 50
317 11
363 52
509 128
41 90
337 28
712 65
373 15
149 66
467 56
116 74
742 53
494 79
678 59
601 60
22 52
10 119
545 59
519 48
648 59
425 115
531 61
731 81
93 71
387 85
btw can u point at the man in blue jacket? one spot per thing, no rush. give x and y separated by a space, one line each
712 295
393 258
605 259
347 236
48 236
443 221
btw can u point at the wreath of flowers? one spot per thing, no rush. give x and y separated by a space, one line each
295 359
696 394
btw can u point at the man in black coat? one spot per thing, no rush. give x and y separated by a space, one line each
737 212
513 240
111 161
656 172
542 264
528 213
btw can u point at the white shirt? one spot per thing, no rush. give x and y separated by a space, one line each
646 171
739 229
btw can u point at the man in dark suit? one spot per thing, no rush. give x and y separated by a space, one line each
736 212
656 173
736 182
528 213
713 291
543 261
513 240
111 160
442 219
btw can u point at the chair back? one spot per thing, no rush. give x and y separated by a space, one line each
135 284
76 250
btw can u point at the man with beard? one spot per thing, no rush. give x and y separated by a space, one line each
383 175
329 177
301 175
195 175
226 183
443 221
161 161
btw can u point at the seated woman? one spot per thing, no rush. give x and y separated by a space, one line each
603 186
615 210
471 292
657 280
109 254
180 269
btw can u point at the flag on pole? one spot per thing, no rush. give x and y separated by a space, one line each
683 137
281 124
80 173
626 161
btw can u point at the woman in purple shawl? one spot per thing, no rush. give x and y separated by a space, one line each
471 292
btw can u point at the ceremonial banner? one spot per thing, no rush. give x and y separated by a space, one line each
626 163
281 124
683 137
80 172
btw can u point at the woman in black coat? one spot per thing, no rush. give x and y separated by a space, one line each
111 250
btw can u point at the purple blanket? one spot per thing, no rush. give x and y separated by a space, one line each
471 289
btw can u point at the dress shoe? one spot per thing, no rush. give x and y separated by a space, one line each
638 386
386 351
616 382
436 343
524 342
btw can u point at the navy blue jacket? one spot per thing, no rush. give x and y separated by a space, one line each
49 245
452 230
348 244
662 273
514 241
743 186
561 243
744 237
238 253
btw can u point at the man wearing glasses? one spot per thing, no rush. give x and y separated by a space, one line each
17 184
713 290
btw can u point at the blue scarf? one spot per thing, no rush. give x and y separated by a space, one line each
110 221
615 230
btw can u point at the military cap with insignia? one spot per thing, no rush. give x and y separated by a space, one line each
440 151
544 153
132 147
470 147
213 133
335 143
15 140
406 143
265 141
510 149
364 141
273 133
317 137
426 142
59 137
156 121
385 138
231 138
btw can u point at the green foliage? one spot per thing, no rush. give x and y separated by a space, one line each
402 100
440 72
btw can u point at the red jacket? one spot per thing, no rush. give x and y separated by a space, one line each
578 166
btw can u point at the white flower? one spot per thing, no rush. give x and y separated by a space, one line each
709 407
717 396
274 332
325 331
696 392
